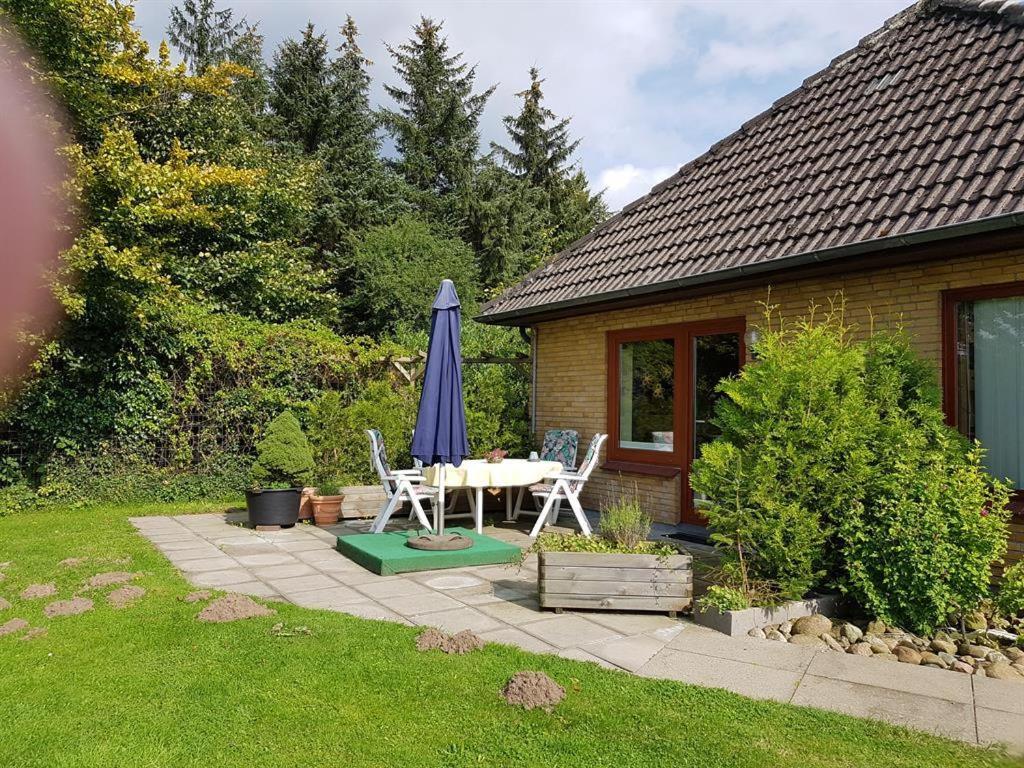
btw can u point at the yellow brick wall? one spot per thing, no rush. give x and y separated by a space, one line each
571 364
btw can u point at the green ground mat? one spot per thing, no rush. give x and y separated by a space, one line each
386 553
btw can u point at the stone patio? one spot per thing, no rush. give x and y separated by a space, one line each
499 603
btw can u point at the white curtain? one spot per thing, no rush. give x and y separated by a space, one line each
999 385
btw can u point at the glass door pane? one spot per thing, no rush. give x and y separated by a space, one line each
990 381
715 356
646 395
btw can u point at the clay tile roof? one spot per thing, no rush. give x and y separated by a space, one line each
918 128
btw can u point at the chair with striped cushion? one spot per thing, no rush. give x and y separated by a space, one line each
567 486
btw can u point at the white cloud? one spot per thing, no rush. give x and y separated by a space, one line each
624 183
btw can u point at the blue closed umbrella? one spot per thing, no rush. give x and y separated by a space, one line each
440 436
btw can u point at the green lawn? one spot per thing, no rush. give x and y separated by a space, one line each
149 686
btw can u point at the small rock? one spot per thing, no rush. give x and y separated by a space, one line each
786 628
947 658
943 636
932 660
959 666
861 649
815 625
942 646
907 655
1002 672
975 621
808 640
1019 666
774 634
996 658
885 656
907 642
979 671
974 651
757 632
851 632
844 643
1014 654
890 641
832 643
876 627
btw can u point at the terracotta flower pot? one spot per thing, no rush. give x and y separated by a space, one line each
305 505
326 509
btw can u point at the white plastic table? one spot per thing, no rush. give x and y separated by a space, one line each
479 474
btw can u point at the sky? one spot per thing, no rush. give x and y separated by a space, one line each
648 85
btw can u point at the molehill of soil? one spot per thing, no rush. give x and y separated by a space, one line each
35 632
4 604
71 607
459 643
125 595
35 591
233 607
195 597
533 690
109 578
72 562
12 626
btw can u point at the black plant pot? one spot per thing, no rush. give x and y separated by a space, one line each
273 507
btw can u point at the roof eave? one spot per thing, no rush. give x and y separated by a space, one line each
599 301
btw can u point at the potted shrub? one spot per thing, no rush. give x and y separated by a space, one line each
284 464
617 569
326 502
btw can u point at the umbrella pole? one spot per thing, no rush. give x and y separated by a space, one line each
439 512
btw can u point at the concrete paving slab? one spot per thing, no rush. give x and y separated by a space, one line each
457 620
630 653
515 613
479 595
184 544
227 577
580 655
697 639
373 610
518 638
1003 695
295 584
411 605
329 598
283 571
922 681
452 580
951 719
309 545
254 589
631 623
170 538
205 564
565 631
393 587
998 727
751 680
668 634
196 551
249 540
320 555
266 560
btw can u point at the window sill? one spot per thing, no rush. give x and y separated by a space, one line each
640 468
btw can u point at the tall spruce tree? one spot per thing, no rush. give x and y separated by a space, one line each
435 126
300 89
202 34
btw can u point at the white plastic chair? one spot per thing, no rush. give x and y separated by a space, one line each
399 486
567 486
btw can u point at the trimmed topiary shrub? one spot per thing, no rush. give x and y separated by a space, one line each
284 457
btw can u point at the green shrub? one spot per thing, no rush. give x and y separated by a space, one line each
835 466
625 522
283 455
1010 597
792 455
724 599
575 542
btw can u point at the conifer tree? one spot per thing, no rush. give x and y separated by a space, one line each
435 126
202 34
300 89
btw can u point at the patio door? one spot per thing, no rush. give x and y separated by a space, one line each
661 396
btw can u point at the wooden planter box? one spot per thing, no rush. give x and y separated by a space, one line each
615 582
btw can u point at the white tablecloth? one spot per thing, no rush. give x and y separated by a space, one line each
478 473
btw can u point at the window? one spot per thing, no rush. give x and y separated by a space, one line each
983 373
647 395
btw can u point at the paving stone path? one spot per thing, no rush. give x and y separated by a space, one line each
499 603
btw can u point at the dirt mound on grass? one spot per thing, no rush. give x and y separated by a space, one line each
12 626
109 578
72 607
72 562
35 591
233 607
533 690
459 643
195 597
35 632
4 604
126 595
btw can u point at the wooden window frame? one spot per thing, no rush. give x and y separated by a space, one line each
950 300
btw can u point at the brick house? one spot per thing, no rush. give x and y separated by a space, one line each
894 176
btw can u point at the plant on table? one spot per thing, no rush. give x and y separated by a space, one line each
495 456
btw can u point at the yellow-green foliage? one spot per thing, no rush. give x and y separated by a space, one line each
283 456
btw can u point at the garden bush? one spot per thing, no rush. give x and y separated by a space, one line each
284 456
1010 597
835 467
